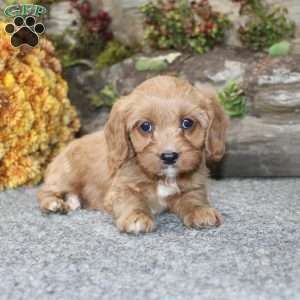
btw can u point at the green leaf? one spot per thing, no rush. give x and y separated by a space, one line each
279 49
233 100
150 64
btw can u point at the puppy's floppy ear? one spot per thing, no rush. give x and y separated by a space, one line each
218 123
116 136
215 137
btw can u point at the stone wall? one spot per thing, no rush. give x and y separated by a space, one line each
127 20
263 143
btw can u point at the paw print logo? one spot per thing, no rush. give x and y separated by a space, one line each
24 31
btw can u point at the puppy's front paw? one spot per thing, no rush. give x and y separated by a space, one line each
136 222
55 205
200 217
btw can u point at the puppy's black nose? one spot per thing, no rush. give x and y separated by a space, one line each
169 158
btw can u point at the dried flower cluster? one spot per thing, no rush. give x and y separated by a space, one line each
183 25
97 23
94 30
92 38
36 117
267 24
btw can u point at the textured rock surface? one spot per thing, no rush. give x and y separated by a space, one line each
254 255
274 87
278 100
233 70
296 46
127 21
62 17
273 99
258 148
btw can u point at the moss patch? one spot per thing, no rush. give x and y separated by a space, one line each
106 97
154 64
113 53
280 49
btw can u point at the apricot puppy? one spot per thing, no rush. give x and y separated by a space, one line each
150 157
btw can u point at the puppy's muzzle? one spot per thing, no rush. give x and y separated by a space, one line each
169 158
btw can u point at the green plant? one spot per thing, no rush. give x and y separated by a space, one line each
64 50
93 35
112 53
267 25
106 97
279 49
94 30
233 99
183 25
93 41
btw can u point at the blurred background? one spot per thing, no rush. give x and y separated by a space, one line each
94 51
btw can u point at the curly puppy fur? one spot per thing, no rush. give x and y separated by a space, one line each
120 169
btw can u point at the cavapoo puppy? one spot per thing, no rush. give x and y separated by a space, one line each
150 157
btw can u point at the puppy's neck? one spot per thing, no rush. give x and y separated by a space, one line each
167 186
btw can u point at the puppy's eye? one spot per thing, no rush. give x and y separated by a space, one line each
146 127
187 123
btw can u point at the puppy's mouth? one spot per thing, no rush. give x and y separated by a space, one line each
169 171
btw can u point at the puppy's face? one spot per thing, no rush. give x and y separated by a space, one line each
168 125
168 134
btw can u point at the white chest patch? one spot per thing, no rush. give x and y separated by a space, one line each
165 190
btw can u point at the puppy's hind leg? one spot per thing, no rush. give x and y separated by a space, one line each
57 193
52 201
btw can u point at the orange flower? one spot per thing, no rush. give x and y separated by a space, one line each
33 112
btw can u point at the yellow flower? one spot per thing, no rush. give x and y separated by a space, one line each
36 117
8 80
2 151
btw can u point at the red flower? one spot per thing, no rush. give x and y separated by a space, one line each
107 36
103 15
85 9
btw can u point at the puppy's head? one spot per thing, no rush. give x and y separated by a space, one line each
169 126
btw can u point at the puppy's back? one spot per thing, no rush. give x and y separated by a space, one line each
82 162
